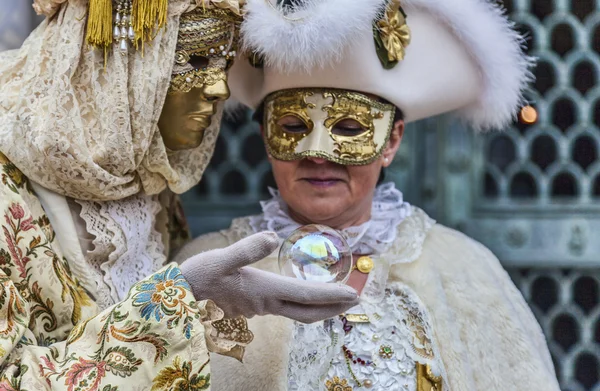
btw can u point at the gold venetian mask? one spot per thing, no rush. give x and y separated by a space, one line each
206 46
341 126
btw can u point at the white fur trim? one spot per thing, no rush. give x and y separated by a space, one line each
327 26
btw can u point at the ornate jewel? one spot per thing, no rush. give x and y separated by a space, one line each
355 359
386 351
293 104
392 35
123 29
337 384
364 264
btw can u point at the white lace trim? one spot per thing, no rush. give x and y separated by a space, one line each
127 246
374 236
399 321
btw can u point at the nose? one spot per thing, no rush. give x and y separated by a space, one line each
216 92
317 160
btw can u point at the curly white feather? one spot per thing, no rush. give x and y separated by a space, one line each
325 28
497 47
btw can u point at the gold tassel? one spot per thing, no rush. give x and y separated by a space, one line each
99 28
148 16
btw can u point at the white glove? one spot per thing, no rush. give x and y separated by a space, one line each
223 276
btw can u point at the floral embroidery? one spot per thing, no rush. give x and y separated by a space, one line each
12 177
13 310
42 305
179 377
163 296
85 375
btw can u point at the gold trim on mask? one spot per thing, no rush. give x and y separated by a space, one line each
347 106
295 105
332 106
197 78
204 32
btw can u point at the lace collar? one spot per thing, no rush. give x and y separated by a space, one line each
372 237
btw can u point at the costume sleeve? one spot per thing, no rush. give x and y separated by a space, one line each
53 337
154 339
488 336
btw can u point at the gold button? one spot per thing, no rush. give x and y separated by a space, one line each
364 264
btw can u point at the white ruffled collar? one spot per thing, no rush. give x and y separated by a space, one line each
372 237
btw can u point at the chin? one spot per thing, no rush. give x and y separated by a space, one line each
318 214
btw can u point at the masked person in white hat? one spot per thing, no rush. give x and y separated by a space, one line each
107 111
334 83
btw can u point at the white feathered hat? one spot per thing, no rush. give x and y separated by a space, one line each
464 56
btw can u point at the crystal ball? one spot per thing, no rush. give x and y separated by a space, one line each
316 253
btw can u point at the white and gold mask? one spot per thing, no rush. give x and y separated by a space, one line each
341 126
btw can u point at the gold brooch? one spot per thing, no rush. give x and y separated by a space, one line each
392 35
337 384
386 351
364 264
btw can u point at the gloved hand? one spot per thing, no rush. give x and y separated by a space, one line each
223 276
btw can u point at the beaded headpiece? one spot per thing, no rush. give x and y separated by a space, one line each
204 32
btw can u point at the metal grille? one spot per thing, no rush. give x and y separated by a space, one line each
538 198
566 303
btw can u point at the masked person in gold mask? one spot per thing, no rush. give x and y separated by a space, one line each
334 83
108 110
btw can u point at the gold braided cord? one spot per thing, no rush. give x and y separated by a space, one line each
99 27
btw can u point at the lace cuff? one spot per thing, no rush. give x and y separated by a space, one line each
228 337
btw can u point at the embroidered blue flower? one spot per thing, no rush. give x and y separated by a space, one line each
163 294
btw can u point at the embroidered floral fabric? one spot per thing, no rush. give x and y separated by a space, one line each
53 335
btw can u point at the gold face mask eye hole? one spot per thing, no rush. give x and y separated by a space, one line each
198 62
356 129
301 127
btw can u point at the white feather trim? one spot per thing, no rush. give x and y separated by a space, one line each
497 47
325 28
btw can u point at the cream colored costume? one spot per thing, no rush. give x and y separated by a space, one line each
446 298
88 300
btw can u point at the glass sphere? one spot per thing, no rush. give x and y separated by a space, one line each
316 253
